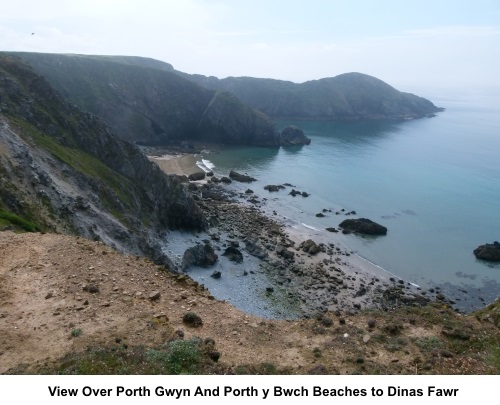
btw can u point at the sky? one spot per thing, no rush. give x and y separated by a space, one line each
409 44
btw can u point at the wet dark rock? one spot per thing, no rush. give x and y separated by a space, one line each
202 255
489 252
363 226
216 274
212 194
196 176
242 178
226 180
248 191
320 215
192 187
332 230
273 188
233 254
255 248
309 246
283 252
293 135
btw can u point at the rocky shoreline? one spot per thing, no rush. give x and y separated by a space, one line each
311 276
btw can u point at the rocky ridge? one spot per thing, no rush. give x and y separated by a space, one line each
144 102
346 97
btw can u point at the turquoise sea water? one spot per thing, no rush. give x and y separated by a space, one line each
434 183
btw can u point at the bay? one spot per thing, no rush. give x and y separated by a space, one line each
433 182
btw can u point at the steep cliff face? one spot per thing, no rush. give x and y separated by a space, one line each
65 170
350 96
226 120
145 102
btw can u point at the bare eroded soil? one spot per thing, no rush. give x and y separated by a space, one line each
52 285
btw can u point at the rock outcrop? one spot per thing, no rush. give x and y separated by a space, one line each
202 255
364 226
233 254
242 178
489 252
293 135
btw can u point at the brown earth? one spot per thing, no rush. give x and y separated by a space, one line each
53 285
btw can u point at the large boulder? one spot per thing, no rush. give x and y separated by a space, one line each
293 135
364 226
309 246
273 187
489 252
242 178
196 176
233 254
255 248
202 255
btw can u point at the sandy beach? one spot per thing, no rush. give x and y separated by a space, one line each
177 164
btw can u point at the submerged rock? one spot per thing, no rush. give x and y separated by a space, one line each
364 226
489 252
273 187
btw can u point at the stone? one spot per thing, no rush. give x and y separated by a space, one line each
196 176
154 296
309 246
242 178
233 254
363 226
273 187
489 252
293 135
216 275
202 255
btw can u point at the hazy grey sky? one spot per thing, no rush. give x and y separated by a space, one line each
405 43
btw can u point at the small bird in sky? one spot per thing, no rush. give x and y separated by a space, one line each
32 33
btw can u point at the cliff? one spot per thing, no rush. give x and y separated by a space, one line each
145 102
66 171
350 96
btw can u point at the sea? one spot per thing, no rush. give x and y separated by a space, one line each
433 182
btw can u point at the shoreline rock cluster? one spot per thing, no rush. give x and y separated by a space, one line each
310 277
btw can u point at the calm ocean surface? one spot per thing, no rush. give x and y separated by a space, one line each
434 183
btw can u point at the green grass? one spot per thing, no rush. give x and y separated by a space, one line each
76 332
175 357
8 218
